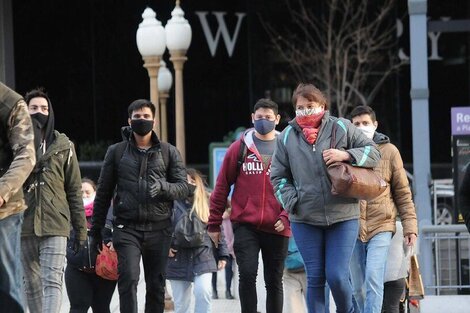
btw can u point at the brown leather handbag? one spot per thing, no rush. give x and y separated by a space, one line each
352 181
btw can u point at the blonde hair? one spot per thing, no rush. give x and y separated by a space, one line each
201 197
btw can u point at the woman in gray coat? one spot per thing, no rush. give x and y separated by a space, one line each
325 227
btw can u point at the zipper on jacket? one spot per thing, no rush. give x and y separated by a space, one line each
313 148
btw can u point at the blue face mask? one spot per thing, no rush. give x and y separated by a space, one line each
264 126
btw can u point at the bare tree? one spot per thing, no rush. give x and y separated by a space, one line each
346 48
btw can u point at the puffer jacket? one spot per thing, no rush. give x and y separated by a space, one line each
190 262
379 214
299 173
132 204
53 193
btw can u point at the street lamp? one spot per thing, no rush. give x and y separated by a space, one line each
165 81
150 40
178 34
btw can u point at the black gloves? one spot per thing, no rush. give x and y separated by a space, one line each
76 244
155 185
95 239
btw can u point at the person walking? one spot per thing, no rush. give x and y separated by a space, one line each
53 196
259 222
194 265
325 226
295 280
17 159
148 175
85 288
378 218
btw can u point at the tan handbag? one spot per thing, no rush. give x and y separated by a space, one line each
415 282
351 181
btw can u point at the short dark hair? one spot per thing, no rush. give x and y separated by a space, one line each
38 92
266 104
363 109
311 93
139 104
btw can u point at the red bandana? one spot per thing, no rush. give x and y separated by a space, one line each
310 125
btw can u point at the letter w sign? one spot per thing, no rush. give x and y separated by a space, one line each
213 41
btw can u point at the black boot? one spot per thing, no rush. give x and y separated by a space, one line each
228 295
214 294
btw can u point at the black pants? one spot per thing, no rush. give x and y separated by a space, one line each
228 276
392 294
153 247
247 244
87 290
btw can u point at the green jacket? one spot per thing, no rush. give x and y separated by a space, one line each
53 193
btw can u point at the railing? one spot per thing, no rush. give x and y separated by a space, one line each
451 246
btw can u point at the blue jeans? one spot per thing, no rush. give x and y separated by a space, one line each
327 252
11 273
202 294
367 272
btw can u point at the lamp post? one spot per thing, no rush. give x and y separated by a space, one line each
150 40
178 34
165 81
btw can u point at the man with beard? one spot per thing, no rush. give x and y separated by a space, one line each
17 159
54 198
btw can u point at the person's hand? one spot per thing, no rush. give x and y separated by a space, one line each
172 252
1 201
96 241
155 186
410 239
215 237
76 245
279 226
331 156
221 264
110 246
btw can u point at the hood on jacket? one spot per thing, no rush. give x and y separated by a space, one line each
380 138
49 134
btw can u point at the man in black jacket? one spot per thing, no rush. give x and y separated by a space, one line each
148 175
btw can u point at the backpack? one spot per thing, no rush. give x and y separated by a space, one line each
189 230
242 151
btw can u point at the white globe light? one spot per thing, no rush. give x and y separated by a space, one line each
178 31
150 35
165 79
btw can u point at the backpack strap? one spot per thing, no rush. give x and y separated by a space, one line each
241 155
118 153
165 150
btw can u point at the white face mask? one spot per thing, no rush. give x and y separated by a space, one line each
307 112
89 200
369 131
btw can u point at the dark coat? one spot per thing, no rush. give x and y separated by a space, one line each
130 174
191 262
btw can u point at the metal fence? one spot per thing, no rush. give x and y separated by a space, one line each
451 250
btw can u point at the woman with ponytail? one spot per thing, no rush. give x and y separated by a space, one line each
194 265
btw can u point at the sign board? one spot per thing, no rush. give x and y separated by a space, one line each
217 152
460 119
460 162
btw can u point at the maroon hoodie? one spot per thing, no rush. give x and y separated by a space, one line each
253 200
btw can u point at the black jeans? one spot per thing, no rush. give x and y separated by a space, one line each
153 247
247 244
392 294
87 290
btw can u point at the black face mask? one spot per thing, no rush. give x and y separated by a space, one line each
41 119
141 126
